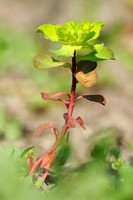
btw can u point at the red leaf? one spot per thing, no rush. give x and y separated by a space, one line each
80 121
87 80
53 96
30 163
69 120
48 159
43 127
45 175
96 98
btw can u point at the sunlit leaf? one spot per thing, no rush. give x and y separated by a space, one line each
96 98
86 66
43 61
66 50
43 127
69 120
71 33
80 122
49 31
100 53
96 28
87 80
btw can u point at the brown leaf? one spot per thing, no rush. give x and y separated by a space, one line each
87 80
96 98
53 96
69 120
43 127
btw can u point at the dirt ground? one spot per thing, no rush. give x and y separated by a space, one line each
118 112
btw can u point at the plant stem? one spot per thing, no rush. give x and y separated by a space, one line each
70 111
72 101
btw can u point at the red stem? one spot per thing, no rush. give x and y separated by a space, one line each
70 111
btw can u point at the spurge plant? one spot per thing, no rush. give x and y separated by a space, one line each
76 39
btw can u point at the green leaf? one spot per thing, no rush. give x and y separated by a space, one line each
49 31
87 80
96 28
28 180
39 182
66 50
63 154
26 150
86 66
43 61
72 33
100 53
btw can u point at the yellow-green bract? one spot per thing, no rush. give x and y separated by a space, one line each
72 33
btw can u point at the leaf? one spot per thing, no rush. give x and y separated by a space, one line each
66 50
52 96
30 163
43 61
43 127
100 53
86 66
49 31
26 150
71 33
45 175
80 121
69 120
96 27
96 98
39 182
63 153
87 80
28 180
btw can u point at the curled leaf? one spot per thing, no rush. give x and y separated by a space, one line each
69 120
96 98
43 61
87 80
80 122
43 127
30 163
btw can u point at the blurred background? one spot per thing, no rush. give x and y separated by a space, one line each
21 106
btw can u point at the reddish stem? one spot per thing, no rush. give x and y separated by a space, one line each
70 111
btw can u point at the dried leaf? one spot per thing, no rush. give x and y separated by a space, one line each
43 127
80 121
69 120
87 80
96 98
52 96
